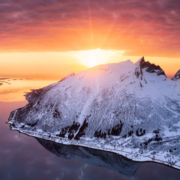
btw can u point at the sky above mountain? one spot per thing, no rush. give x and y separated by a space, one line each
67 30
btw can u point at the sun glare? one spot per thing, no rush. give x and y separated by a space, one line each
95 57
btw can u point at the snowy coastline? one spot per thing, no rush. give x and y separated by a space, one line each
125 152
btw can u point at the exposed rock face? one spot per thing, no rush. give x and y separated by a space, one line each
126 107
177 76
151 68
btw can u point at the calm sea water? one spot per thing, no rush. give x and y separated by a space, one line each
23 158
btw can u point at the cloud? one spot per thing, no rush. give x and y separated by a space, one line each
4 79
146 27
13 90
7 80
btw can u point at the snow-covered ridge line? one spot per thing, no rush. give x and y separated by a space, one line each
129 106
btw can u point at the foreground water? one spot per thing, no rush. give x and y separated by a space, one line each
23 157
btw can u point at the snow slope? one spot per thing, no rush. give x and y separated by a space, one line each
131 109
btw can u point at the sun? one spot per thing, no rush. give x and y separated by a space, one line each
91 58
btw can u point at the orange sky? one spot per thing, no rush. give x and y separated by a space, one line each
43 39
55 66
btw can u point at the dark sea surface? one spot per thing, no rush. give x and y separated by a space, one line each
23 158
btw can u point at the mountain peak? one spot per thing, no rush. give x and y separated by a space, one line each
140 61
177 76
151 68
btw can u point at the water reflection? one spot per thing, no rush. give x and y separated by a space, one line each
23 158
95 157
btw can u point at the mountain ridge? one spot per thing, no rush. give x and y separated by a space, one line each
176 76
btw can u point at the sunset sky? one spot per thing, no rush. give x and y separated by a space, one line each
48 39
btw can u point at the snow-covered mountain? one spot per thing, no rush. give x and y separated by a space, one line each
177 76
131 109
95 157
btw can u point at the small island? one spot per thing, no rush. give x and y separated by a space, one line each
131 109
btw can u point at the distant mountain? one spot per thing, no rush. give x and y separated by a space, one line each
131 109
177 76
